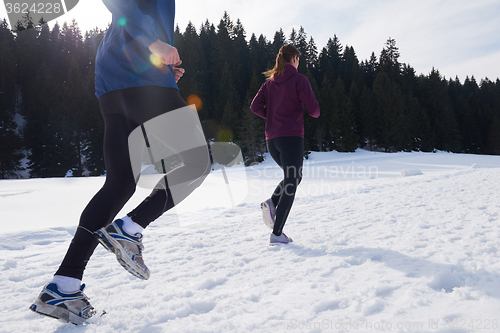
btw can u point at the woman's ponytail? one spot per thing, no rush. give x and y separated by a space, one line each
284 56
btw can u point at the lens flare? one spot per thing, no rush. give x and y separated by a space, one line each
193 99
224 135
155 60
122 21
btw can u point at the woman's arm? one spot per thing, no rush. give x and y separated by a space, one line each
258 105
307 97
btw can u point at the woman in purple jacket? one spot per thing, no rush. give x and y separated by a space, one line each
280 101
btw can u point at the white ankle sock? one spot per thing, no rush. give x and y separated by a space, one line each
66 284
130 226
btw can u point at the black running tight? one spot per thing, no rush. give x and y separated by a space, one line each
123 111
288 152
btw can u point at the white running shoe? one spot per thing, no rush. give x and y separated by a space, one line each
74 308
282 239
268 213
127 248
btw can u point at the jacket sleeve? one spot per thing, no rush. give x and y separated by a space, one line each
258 105
138 25
306 96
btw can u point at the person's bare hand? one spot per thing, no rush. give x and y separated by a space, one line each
167 53
178 72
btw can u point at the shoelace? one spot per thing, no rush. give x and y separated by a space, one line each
91 310
139 243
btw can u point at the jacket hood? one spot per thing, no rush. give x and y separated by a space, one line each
290 70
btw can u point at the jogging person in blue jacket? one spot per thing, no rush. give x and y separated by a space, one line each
280 102
136 81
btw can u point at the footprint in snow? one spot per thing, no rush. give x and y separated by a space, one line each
211 283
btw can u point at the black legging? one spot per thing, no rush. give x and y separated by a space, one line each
288 152
123 111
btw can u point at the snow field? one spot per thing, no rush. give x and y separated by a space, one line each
372 252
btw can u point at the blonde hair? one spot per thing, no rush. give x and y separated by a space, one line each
285 56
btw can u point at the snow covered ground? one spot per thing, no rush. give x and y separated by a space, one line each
405 242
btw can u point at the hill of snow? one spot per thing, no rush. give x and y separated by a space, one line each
404 242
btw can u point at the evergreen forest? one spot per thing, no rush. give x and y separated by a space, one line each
50 123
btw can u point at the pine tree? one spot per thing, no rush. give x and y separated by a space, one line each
355 98
223 47
343 123
349 70
49 153
10 140
251 129
207 40
55 51
409 80
293 37
330 59
43 44
382 101
424 138
193 61
406 135
10 145
243 71
493 142
388 106
326 103
369 69
466 120
369 119
259 55
228 102
73 117
389 59
223 56
278 41
26 55
312 55
93 125
434 98
302 45
313 127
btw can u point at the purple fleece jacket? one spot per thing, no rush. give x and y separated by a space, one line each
279 101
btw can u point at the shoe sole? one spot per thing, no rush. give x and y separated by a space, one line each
113 246
266 216
272 243
279 243
56 312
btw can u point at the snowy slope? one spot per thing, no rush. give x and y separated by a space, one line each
403 242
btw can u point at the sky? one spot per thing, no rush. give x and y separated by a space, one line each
457 37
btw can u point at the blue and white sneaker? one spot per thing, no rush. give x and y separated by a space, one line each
127 248
282 239
268 213
74 308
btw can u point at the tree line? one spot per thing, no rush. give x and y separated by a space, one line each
50 123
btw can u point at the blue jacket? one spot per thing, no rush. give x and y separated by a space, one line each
123 58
